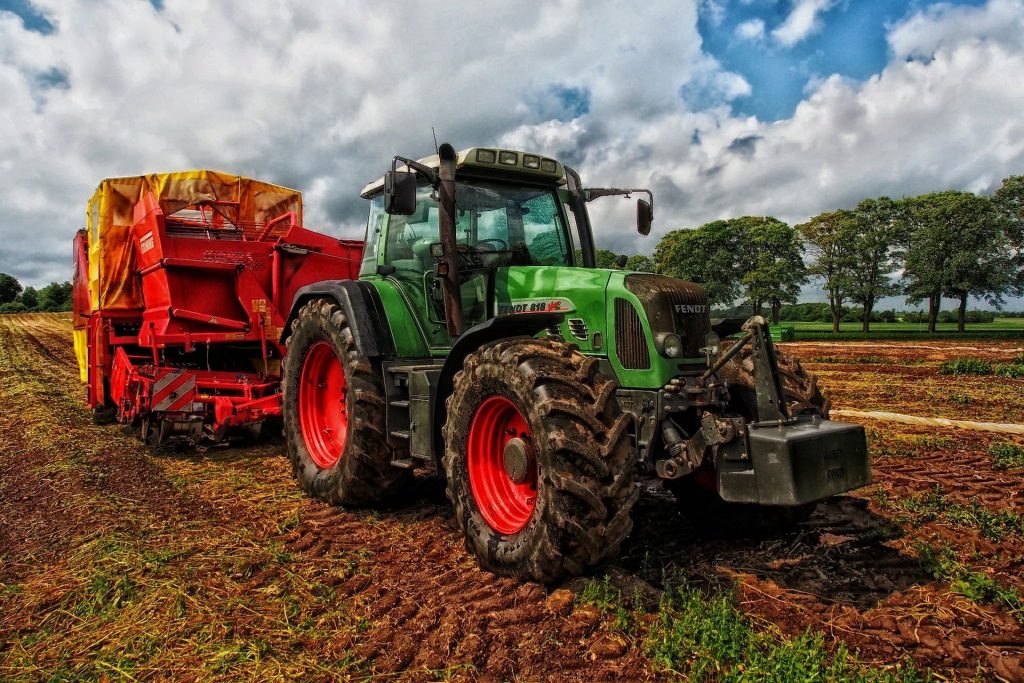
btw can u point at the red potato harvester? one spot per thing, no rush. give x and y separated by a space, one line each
182 284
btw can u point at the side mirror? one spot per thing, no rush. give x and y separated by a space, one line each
620 261
644 216
400 192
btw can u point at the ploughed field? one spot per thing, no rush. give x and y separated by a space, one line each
119 562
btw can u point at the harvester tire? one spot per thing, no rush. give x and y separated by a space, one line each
539 459
333 411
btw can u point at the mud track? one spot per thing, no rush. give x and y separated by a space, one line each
117 561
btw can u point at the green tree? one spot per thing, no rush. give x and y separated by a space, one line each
1009 200
9 288
830 236
640 263
55 296
29 298
878 224
706 255
756 257
606 258
958 245
771 258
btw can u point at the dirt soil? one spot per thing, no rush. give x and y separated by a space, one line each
117 561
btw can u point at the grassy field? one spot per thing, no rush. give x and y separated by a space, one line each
120 562
1000 328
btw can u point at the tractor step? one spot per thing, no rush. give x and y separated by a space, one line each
399 403
404 463
402 434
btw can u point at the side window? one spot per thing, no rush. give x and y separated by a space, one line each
545 234
574 231
374 226
492 225
410 237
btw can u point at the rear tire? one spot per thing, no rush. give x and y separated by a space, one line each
569 505
334 411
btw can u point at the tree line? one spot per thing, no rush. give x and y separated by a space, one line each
950 244
14 298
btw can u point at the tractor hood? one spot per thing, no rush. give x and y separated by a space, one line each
624 316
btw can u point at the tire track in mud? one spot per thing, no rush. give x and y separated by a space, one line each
64 478
430 607
422 602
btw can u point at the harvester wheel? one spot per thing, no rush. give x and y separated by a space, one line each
333 412
104 415
539 459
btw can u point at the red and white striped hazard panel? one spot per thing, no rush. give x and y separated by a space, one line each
174 391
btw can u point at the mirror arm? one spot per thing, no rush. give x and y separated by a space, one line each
591 194
425 171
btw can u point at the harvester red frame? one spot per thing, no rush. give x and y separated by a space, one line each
200 354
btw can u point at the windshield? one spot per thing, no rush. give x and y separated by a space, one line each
505 224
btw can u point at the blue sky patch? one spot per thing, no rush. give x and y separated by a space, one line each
30 16
850 40
562 102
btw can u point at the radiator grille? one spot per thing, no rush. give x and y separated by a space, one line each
630 342
673 306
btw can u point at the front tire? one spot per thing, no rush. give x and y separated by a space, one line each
333 411
539 460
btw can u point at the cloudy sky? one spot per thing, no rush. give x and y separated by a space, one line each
723 107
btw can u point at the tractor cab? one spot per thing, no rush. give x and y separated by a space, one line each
517 220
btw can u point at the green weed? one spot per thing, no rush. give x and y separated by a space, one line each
1011 370
1007 456
960 399
981 588
699 636
931 506
966 366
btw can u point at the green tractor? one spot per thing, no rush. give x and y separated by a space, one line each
482 343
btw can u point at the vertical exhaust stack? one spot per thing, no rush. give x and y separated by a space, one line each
449 266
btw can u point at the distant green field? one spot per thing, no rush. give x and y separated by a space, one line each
1000 328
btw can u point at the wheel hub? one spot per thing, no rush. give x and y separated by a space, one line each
323 417
502 465
517 460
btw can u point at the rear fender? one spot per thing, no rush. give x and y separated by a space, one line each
361 305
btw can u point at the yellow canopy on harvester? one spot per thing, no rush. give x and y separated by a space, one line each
112 270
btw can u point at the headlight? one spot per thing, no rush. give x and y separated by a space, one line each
671 345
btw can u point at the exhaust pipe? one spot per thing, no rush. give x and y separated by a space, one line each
448 268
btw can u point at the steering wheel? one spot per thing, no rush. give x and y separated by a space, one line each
503 243
467 256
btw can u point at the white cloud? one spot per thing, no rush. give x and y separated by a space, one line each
714 10
752 29
801 22
943 25
314 96
324 95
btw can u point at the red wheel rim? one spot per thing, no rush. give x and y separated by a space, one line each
323 415
506 505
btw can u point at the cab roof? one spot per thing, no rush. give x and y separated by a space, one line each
490 160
